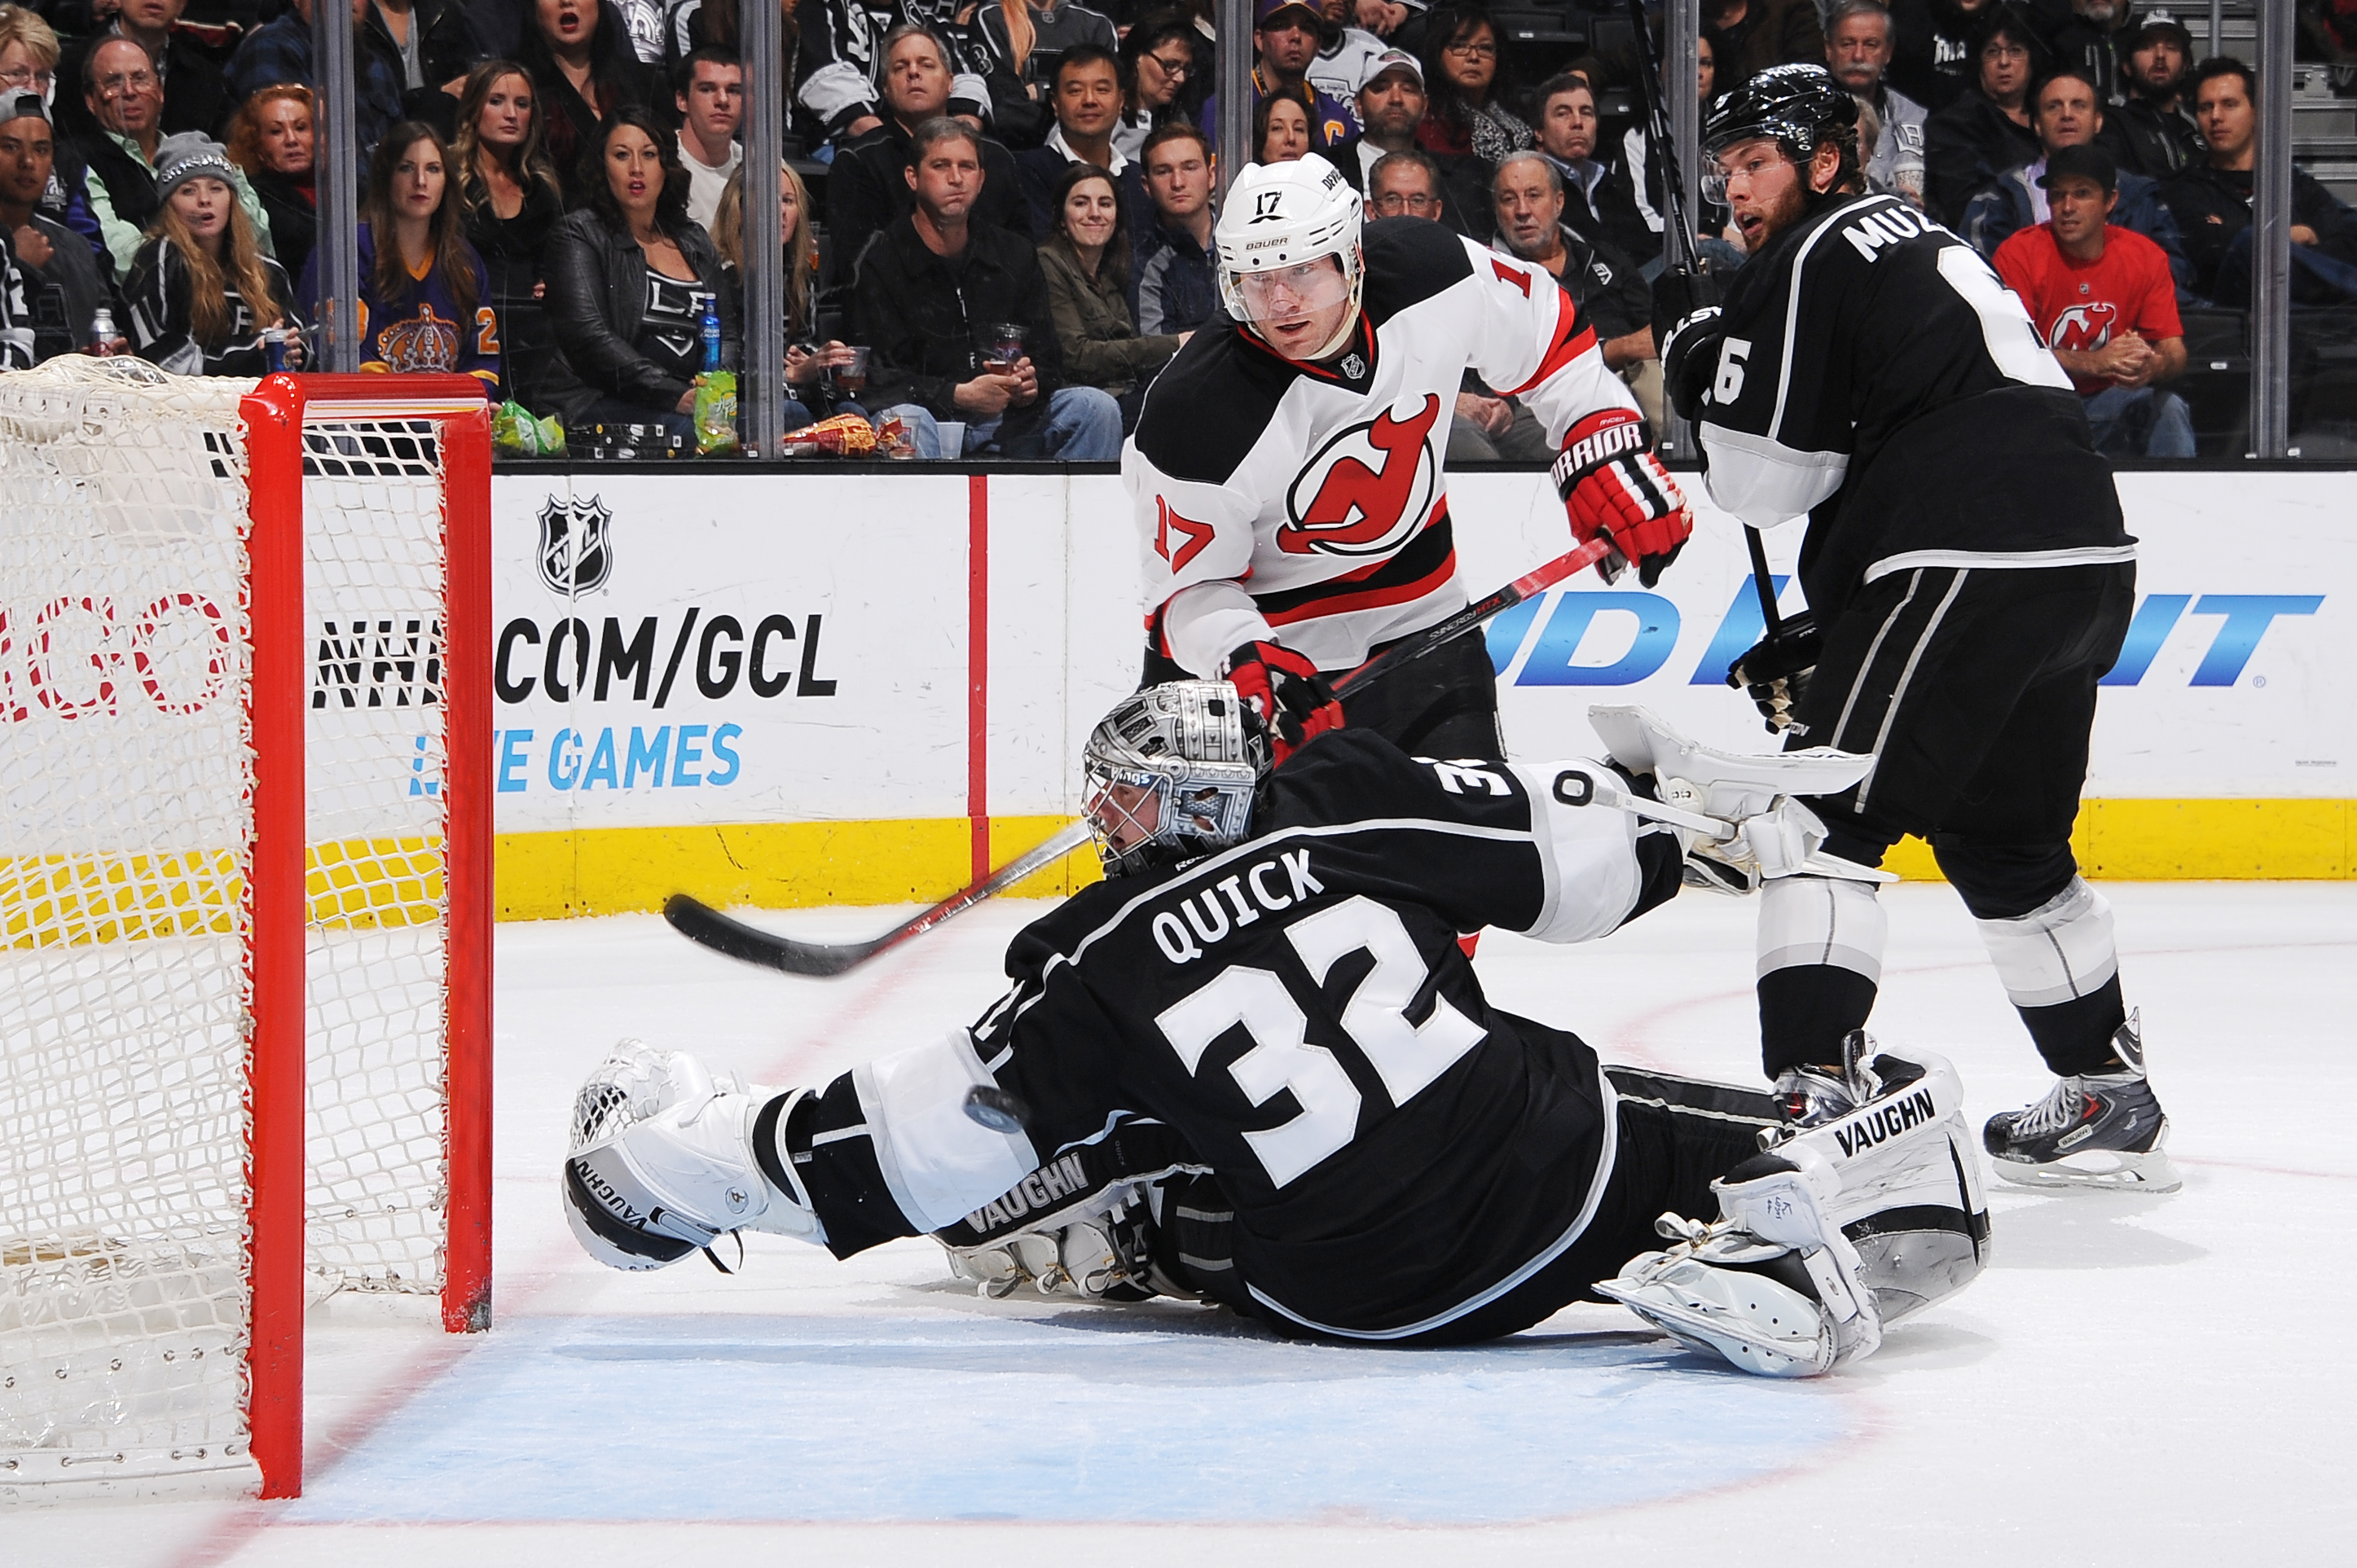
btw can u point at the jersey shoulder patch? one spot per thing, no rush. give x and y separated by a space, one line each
1409 260
1210 405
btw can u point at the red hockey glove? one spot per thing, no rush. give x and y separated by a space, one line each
1611 482
1284 690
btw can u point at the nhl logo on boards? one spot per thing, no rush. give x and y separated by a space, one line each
576 555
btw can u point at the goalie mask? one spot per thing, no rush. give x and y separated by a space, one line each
1289 243
1170 774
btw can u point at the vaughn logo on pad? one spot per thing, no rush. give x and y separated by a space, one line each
575 552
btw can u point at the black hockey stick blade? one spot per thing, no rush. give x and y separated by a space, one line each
707 927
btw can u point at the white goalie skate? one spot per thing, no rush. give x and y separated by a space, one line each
1828 1238
1738 812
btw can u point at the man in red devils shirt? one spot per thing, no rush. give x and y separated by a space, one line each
1286 470
2103 301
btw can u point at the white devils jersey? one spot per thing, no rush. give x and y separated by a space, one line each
1307 504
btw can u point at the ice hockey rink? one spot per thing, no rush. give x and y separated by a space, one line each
2137 1380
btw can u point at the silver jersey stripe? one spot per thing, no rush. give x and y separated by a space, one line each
1865 665
2002 560
1561 1245
1898 693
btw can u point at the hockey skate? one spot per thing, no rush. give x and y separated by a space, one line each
662 1162
1738 812
1811 1096
1829 1236
2100 1131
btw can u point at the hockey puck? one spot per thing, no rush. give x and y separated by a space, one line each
997 1110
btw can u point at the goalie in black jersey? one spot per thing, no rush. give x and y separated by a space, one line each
1252 1066
1969 581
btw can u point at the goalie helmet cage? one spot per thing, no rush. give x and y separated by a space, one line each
244 901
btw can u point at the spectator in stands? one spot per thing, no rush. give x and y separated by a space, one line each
1464 83
1859 36
2102 300
1027 38
709 90
583 72
1280 131
63 287
925 293
122 93
1934 59
437 44
426 297
271 140
629 276
1286 37
1158 60
867 187
1177 289
811 393
2212 203
1345 54
1087 104
1752 35
2067 116
195 97
29 63
1086 262
1598 207
1391 106
278 54
512 197
1987 130
2153 133
1390 20
1637 175
690 25
2088 34
1604 281
200 292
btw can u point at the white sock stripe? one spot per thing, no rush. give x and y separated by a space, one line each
2061 951
1821 921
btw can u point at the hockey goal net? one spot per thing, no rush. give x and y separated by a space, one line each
244 900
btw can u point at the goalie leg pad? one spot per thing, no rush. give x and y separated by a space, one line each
1728 1294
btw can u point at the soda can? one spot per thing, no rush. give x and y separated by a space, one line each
274 346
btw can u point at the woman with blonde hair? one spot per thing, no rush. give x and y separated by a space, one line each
200 292
272 139
811 393
511 195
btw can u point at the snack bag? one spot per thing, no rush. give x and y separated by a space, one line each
551 436
715 413
845 435
516 433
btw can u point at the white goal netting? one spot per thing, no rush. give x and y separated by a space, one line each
127 772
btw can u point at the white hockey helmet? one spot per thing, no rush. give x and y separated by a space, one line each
1280 216
1170 774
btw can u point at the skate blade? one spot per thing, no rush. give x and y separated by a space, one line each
2099 1170
1700 1326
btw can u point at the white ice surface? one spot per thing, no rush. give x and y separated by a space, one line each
2138 1379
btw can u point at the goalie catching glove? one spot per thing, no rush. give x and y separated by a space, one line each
1292 700
1612 484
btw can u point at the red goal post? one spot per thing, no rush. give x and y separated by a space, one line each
245 901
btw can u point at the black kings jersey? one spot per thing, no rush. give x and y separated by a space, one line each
1307 504
1399 1151
1874 372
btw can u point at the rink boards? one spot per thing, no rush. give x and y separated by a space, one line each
866 686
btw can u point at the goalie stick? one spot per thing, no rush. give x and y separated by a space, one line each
707 927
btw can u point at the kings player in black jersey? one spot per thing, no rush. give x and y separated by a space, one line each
1969 581
1252 1066
1286 475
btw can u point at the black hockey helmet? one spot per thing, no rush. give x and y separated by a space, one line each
1799 105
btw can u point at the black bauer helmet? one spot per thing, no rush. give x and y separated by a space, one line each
1801 106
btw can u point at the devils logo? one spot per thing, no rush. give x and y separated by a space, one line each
575 557
1367 490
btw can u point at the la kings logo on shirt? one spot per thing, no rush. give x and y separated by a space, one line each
1367 490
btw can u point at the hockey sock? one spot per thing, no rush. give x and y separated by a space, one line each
1821 942
2060 968
825 1136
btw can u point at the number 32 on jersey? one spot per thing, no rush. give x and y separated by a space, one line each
1406 1057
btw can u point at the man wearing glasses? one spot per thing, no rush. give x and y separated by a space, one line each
29 63
1865 365
125 97
193 94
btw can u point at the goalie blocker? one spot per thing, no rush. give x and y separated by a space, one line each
1251 1066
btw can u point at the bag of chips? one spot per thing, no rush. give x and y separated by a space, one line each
715 413
845 435
517 433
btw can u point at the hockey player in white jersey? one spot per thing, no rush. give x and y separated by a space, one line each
1252 1066
1287 472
